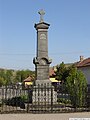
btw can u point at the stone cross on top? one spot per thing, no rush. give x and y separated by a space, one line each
41 12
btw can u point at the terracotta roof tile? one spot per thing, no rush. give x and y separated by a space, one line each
51 72
29 79
84 63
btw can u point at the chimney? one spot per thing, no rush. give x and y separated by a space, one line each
81 58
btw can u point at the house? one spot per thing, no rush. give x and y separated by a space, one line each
84 66
28 81
52 76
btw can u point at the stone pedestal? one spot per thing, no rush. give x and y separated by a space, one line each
44 94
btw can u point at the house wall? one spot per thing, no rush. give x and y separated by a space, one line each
86 71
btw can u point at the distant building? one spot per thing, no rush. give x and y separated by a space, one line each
84 66
52 76
28 81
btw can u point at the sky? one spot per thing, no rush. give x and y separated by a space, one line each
68 34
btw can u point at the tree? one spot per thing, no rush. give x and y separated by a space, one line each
9 77
76 86
73 82
23 74
61 72
2 77
1 81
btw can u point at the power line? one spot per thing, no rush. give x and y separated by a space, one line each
74 52
15 54
30 54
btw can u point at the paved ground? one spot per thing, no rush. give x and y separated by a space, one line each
61 116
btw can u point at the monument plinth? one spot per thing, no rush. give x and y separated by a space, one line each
42 60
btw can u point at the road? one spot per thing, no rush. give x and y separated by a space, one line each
61 116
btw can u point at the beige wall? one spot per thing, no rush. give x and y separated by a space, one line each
86 71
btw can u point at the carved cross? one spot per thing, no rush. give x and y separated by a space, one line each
41 12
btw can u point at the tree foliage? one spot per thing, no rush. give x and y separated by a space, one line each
1 81
74 82
23 74
76 86
8 77
61 72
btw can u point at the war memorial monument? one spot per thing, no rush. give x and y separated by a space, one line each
42 63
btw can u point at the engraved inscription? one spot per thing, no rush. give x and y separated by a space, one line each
43 36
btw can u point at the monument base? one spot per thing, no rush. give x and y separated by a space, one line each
43 82
44 93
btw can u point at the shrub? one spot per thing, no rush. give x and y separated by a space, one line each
63 100
15 101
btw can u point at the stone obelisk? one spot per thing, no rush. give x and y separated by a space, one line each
42 60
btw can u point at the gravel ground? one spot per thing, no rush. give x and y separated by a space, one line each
61 116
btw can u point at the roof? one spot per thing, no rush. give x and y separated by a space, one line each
83 63
29 79
51 72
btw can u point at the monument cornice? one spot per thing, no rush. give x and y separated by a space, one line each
42 25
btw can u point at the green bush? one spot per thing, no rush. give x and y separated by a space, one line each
15 101
24 98
63 100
